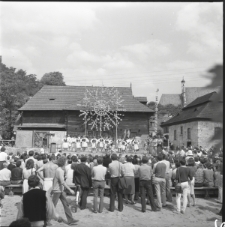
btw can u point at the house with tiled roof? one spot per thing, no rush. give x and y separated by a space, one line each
54 111
194 125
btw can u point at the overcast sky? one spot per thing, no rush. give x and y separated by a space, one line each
151 45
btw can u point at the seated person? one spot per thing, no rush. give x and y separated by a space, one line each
11 165
5 175
199 176
17 174
208 176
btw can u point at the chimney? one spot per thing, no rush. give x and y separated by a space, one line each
183 94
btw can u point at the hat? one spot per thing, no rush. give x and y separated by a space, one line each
189 153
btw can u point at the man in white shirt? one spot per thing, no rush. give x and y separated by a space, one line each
3 157
98 175
5 175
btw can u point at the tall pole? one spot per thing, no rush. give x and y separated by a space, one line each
156 111
116 129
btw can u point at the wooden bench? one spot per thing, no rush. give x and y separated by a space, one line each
15 188
199 191
202 191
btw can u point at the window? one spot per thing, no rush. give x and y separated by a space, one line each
181 130
188 133
217 130
175 134
166 130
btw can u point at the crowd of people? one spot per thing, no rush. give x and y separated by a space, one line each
148 177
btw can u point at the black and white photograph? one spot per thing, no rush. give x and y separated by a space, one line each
111 114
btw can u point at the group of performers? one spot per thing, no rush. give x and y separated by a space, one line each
101 144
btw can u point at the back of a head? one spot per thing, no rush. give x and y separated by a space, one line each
144 159
30 164
43 156
100 160
2 149
31 153
182 161
18 163
23 222
5 164
191 162
83 159
114 156
61 161
129 159
69 161
160 157
74 159
52 157
33 181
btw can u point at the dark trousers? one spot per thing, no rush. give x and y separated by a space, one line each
84 195
146 188
115 189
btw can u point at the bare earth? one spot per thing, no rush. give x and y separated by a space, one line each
203 214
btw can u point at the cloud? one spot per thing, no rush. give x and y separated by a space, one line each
50 17
204 29
150 49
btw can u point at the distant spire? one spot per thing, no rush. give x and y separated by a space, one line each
183 94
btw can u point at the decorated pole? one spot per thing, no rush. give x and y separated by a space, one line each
156 111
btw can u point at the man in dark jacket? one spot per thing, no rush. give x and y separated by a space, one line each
82 177
36 205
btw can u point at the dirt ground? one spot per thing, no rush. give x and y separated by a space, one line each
203 214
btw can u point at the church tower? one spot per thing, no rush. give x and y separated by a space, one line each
183 94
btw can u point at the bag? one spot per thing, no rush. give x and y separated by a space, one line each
178 188
122 183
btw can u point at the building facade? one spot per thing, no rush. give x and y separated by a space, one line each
194 125
55 112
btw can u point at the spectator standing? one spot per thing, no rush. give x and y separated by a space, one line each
191 183
136 178
48 173
115 172
218 176
208 176
82 177
159 170
98 174
128 171
183 175
58 189
27 172
167 178
31 156
145 175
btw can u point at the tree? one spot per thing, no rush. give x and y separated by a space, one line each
53 78
15 90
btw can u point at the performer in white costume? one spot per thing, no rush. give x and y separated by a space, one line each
101 144
123 146
94 142
78 143
84 143
135 145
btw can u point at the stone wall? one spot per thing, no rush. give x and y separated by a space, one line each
201 133
182 139
206 132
